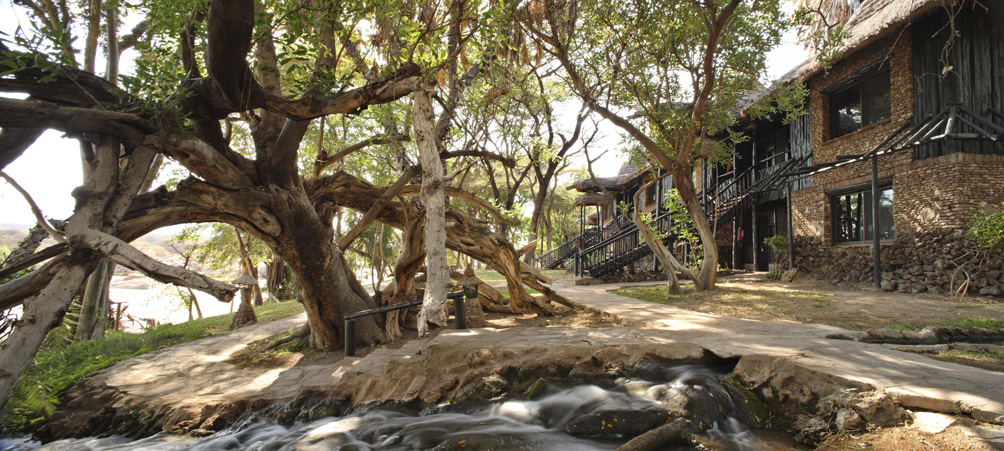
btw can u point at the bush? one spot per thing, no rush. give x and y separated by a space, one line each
988 231
778 244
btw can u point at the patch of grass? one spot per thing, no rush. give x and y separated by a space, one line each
60 363
658 294
762 304
490 276
993 361
528 290
972 321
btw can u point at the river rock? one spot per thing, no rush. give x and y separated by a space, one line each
617 422
848 420
703 403
878 409
810 429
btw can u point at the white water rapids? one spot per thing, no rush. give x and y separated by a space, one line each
504 425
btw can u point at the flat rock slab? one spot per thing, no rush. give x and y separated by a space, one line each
932 422
192 386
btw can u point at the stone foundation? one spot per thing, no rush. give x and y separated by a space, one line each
922 263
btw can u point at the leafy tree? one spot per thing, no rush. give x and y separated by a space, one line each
234 113
670 73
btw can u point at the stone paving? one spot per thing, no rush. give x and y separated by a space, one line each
192 386
915 380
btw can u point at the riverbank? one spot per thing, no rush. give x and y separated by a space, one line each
193 387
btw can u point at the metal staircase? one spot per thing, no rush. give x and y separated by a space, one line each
599 257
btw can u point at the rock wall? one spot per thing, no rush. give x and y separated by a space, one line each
922 262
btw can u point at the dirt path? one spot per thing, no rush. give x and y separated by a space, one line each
751 296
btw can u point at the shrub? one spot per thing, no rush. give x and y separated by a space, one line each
988 231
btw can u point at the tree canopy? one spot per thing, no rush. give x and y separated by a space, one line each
303 123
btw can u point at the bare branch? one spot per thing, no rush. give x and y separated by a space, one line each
411 191
42 222
506 161
376 140
123 254
378 205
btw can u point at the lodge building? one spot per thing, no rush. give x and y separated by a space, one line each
905 112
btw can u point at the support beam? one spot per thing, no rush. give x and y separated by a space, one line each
876 249
791 231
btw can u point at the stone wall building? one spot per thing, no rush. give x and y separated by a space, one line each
892 77
905 111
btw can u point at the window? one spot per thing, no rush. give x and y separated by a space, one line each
861 104
852 214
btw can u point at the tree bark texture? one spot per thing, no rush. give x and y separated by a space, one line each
432 198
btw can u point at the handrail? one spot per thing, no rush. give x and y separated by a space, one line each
350 318
721 202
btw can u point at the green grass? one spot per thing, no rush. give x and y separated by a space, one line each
59 363
658 294
490 276
972 321
732 301
528 290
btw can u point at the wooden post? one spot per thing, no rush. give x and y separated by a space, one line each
754 222
735 240
791 231
876 249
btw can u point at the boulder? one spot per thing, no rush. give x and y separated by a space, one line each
617 422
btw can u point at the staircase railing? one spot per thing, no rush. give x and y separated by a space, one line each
620 249
600 256
552 258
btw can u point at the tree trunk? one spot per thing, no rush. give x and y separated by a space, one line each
658 249
708 272
94 305
41 314
109 192
409 260
327 286
432 198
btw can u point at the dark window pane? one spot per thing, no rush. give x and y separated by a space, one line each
853 217
845 112
885 221
876 99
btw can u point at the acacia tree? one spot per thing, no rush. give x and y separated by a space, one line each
189 116
669 73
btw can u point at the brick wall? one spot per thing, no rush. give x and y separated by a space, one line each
947 191
812 216
933 199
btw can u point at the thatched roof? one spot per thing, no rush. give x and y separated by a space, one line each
587 185
873 20
626 175
590 199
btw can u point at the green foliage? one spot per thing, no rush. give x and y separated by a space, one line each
826 40
778 244
971 321
61 362
217 248
682 227
988 231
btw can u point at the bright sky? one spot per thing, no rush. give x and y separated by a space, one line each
50 169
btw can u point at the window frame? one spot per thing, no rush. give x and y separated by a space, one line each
859 82
834 197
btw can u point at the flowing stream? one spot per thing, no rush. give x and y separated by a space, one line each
537 424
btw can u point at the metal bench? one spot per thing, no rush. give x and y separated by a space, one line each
350 319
